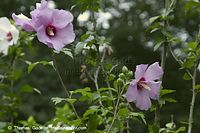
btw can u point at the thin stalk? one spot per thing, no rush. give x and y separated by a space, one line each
193 99
127 126
107 82
96 75
127 122
63 85
180 62
12 67
116 109
163 61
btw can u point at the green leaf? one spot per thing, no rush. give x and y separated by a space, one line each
15 75
124 112
138 114
107 89
186 77
84 36
68 52
153 19
189 63
90 111
181 129
4 86
71 100
153 129
85 90
191 5
79 47
198 53
192 45
26 89
158 45
30 122
171 100
166 91
33 65
57 100
197 88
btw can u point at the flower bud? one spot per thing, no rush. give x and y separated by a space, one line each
130 74
119 82
124 69
121 75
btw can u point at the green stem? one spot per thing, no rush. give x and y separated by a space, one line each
163 60
180 62
190 119
63 85
96 75
12 67
107 82
116 109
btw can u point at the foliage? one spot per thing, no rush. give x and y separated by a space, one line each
99 104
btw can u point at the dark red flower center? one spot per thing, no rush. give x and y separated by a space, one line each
9 36
140 83
51 30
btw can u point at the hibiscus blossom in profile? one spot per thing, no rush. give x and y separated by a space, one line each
53 27
146 85
8 35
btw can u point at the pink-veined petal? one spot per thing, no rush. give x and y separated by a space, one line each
155 89
143 101
57 44
66 34
41 35
140 71
153 72
61 18
45 17
23 21
132 92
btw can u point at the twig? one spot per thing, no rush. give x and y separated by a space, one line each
96 75
193 97
116 108
12 67
163 60
63 85
107 82
180 62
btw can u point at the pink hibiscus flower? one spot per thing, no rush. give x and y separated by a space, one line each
54 27
146 85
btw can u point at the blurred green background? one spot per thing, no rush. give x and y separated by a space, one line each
124 22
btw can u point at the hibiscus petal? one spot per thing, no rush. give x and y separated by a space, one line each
143 101
140 71
5 24
57 44
15 34
66 35
132 92
41 35
3 34
61 18
4 46
23 21
44 17
41 5
155 89
153 72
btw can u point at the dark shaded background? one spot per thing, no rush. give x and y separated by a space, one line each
130 43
